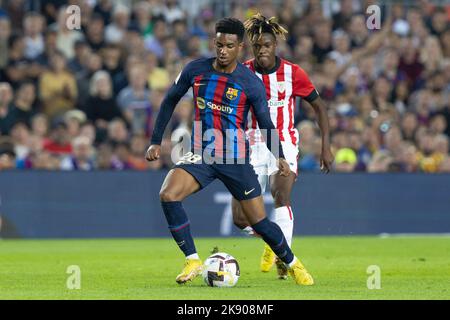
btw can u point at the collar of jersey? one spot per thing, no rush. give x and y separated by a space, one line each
275 68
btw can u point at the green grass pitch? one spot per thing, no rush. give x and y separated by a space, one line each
411 268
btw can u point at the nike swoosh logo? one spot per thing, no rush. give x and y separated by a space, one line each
197 84
248 192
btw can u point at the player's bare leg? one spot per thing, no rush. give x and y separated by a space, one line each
281 188
240 220
177 185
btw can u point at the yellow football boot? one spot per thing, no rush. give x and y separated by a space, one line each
300 274
191 269
267 259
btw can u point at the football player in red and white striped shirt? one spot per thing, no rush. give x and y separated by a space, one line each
284 82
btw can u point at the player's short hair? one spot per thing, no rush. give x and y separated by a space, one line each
258 24
231 26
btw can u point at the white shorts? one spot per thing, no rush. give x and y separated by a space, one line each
265 164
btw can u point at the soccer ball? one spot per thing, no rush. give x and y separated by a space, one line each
221 270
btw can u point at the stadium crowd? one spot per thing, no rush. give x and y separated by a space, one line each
86 99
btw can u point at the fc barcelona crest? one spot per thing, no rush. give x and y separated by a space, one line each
232 93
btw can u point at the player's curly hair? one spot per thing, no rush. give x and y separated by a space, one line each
258 24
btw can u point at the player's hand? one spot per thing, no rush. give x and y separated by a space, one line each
283 167
153 152
326 159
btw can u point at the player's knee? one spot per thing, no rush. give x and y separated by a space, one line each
280 198
168 196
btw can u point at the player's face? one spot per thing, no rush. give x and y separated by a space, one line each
264 50
228 47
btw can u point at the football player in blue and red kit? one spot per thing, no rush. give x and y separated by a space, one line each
224 90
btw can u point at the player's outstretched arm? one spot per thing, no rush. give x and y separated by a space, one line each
173 96
326 157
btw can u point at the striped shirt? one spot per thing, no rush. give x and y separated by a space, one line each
283 84
221 105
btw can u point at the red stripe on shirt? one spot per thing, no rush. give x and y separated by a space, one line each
290 212
197 118
281 96
217 117
239 125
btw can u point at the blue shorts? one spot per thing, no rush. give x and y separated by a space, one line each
240 179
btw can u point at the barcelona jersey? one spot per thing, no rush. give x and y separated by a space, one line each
221 105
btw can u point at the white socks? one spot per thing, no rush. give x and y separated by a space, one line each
193 256
290 264
248 231
284 218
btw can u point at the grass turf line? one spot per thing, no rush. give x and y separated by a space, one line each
411 268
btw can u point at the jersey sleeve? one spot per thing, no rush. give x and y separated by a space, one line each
302 85
176 92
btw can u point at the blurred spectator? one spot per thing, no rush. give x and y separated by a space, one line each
87 129
101 106
74 119
5 33
112 62
341 48
45 160
117 132
104 9
92 63
81 159
154 43
6 96
172 11
22 108
439 22
342 18
7 154
142 13
57 87
121 156
158 78
76 64
33 25
49 49
59 141
322 41
409 126
380 162
18 66
387 91
358 31
95 33
39 125
115 31
104 157
20 134
138 147
134 101
180 32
